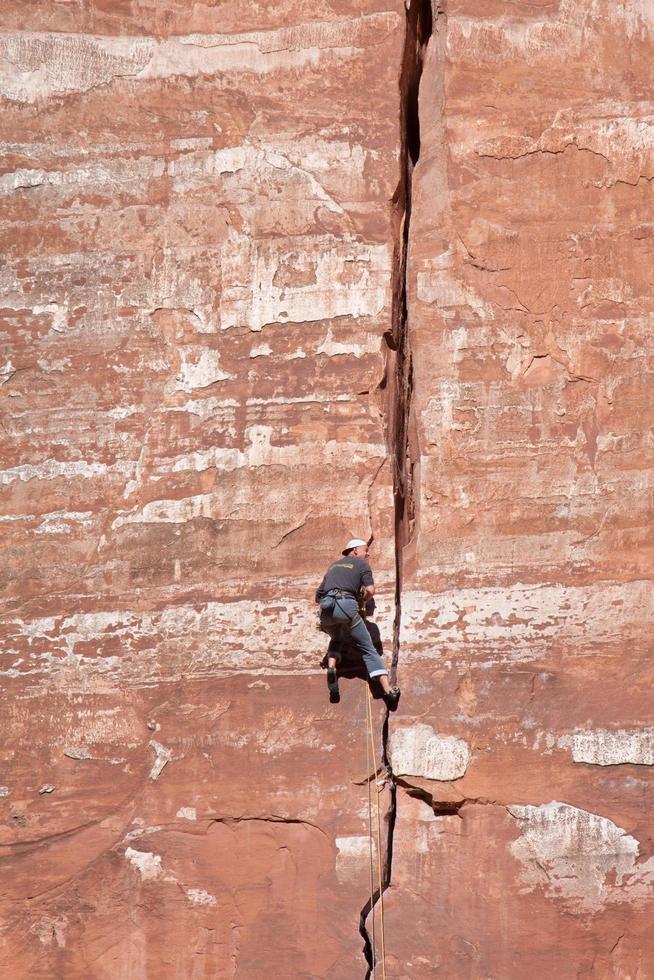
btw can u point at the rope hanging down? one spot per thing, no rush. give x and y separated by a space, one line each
370 746
371 854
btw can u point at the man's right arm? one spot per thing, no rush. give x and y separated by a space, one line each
367 583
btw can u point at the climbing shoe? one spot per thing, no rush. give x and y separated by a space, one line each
392 698
332 684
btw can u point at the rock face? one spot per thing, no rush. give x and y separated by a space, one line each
272 280
526 584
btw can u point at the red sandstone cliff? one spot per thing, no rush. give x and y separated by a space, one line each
274 276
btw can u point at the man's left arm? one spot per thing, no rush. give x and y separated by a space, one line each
320 591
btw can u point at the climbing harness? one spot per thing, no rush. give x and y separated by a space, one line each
328 603
370 749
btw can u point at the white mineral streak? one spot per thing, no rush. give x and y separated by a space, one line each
141 830
77 752
199 369
299 400
176 284
517 622
439 413
420 751
352 857
441 287
200 897
186 813
62 522
295 164
37 65
428 827
147 863
58 312
626 143
331 347
162 758
636 17
338 164
601 747
51 929
360 271
40 64
261 452
257 165
280 731
51 469
224 504
215 638
89 174
97 149
491 39
579 856
261 350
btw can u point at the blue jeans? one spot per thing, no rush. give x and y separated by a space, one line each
345 619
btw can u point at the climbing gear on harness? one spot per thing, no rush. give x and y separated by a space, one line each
372 778
332 684
328 602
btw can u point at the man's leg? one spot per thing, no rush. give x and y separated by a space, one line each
333 652
333 656
374 663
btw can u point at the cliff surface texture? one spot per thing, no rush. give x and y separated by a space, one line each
275 275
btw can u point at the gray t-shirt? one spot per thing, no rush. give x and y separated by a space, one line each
349 574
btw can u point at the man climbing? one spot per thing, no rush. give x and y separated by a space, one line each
345 582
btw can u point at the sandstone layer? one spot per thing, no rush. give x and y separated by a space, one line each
271 280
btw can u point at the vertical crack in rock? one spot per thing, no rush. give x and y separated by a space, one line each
400 422
397 386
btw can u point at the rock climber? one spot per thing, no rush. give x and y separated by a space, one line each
346 581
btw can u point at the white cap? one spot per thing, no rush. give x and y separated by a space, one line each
354 543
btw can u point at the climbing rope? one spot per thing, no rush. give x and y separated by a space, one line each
371 856
371 742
